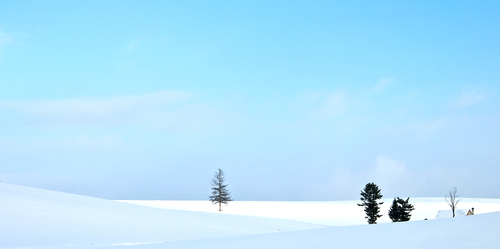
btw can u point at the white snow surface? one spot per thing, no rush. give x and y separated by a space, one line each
36 218
330 213
449 214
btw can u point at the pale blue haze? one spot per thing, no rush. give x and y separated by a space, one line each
294 100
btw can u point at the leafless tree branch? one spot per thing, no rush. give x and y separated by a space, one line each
452 199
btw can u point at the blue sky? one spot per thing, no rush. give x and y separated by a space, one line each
294 100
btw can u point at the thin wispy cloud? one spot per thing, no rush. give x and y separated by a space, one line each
345 183
310 96
324 105
469 99
397 178
5 39
75 142
425 129
171 110
470 96
93 110
388 171
133 44
127 66
383 83
417 129
138 41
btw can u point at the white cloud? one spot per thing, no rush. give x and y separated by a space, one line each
470 96
90 110
136 42
310 96
127 66
132 45
76 143
388 172
396 178
416 128
5 39
469 99
317 106
171 110
428 128
88 142
344 183
383 83
331 105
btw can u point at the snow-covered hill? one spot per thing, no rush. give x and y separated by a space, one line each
35 218
40 218
480 231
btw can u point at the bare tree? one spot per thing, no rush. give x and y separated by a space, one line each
452 199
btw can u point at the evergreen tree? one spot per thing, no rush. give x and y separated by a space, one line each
370 196
400 210
395 211
220 195
406 209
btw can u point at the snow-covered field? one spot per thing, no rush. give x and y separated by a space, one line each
329 213
36 218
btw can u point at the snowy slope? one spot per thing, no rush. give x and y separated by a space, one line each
480 231
40 218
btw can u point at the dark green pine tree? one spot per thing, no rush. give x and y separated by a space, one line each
395 211
406 209
220 194
369 197
400 210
